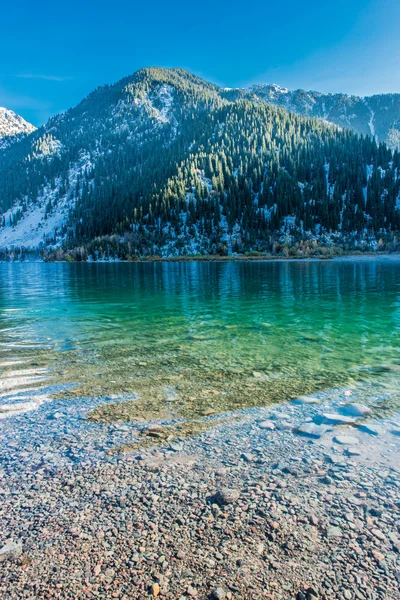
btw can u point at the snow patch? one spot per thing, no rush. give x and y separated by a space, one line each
45 217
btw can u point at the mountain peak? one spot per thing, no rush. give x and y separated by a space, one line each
12 127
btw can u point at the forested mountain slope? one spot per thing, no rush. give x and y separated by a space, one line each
165 163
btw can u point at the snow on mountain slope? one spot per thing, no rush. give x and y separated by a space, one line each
43 222
12 127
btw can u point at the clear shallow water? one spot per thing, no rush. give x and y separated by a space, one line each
195 339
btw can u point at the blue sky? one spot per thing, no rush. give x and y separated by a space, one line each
54 54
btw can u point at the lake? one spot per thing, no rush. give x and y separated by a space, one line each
190 340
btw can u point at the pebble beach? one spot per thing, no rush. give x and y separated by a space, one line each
299 500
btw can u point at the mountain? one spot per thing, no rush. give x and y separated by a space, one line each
377 116
165 163
13 128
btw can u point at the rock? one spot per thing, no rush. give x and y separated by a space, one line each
334 531
257 375
306 400
355 410
218 594
155 590
10 551
247 457
153 428
311 430
278 415
328 480
378 534
109 574
176 447
284 426
336 419
226 496
377 555
346 440
207 412
269 425
191 591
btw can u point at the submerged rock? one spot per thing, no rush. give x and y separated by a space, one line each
355 410
311 430
269 425
257 374
336 419
306 400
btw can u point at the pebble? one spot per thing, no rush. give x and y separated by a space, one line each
378 534
218 594
226 496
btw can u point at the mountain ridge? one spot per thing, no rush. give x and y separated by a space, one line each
377 115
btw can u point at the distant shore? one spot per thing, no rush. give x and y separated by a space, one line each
266 257
351 255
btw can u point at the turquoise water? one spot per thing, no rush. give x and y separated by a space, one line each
191 339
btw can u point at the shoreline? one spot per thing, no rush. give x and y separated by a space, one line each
213 258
